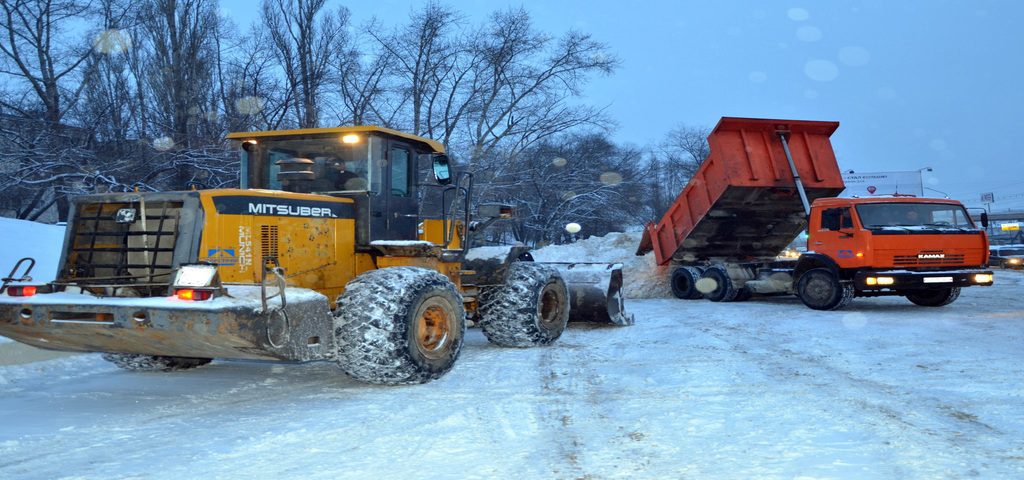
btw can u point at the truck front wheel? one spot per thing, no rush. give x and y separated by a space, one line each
934 298
821 289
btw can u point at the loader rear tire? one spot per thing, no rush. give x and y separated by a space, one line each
399 325
935 298
684 283
724 290
821 289
152 363
530 309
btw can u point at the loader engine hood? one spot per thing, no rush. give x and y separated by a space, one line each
128 244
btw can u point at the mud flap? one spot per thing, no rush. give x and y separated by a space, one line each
595 292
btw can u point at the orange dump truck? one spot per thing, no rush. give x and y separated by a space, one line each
766 181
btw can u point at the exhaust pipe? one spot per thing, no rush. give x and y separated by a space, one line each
595 292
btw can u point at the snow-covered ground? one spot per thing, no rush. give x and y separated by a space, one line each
758 389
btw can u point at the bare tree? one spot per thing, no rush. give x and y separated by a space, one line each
38 55
522 86
673 162
305 39
180 65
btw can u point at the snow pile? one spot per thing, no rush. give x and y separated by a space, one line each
22 238
641 276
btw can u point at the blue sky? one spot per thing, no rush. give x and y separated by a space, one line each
914 84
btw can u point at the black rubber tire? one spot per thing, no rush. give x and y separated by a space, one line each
684 283
153 363
725 290
935 298
821 289
743 295
382 319
530 309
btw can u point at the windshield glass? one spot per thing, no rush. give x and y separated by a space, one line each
335 166
1009 251
880 215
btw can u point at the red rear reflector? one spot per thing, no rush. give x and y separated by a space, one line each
21 291
194 295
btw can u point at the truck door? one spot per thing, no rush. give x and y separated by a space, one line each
399 186
837 237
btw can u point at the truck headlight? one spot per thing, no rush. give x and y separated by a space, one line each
1014 261
983 278
879 281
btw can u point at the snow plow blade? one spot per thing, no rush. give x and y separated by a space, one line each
595 292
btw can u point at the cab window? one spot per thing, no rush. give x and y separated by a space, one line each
401 179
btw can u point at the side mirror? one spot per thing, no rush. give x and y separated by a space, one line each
984 219
442 169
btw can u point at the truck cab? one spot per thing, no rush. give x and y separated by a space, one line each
916 247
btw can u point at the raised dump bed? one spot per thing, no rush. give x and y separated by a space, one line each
743 203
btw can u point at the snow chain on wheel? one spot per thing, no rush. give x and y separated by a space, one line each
684 283
821 289
151 363
531 308
935 298
399 325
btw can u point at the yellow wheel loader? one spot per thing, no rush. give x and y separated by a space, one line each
346 244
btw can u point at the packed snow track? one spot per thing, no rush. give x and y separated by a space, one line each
765 388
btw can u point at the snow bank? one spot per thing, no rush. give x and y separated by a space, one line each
641 276
22 238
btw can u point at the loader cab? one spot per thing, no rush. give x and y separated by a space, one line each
381 169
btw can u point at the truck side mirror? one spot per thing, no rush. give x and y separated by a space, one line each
984 219
442 169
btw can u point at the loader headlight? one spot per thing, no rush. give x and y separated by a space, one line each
983 278
196 276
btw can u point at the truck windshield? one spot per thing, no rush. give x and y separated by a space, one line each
336 166
936 215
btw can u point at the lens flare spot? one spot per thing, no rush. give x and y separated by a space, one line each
611 178
706 285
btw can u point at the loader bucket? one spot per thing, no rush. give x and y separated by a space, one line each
595 292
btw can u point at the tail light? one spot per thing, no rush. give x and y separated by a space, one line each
192 294
22 290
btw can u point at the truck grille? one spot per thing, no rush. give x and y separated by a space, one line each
930 259
125 245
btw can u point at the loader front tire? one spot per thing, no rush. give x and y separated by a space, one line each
152 363
684 283
399 325
531 308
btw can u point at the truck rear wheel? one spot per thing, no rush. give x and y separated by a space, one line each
821 289
723 289
153 363
684 283
935 298
530 309
399 325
